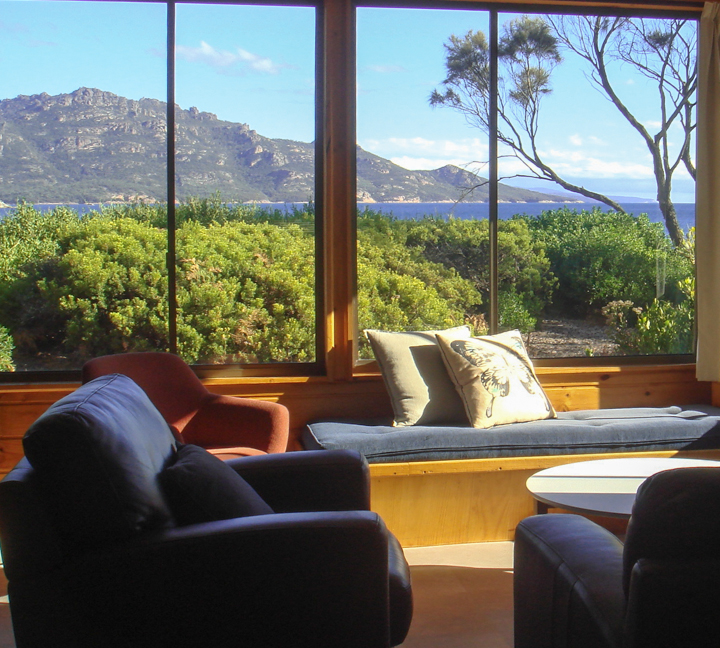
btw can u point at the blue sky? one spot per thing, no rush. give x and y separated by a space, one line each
255 65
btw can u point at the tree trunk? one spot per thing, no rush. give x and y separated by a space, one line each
669 214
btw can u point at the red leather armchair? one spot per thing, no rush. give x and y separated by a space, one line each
227 426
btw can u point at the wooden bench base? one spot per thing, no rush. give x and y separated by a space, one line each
474 500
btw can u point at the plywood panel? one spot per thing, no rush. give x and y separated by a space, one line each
476 500
435 509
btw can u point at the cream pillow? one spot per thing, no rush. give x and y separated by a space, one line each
418 383
495 378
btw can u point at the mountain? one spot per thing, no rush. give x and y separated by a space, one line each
380 180
95 146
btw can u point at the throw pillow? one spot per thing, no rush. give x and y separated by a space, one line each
412 368
495 378
199 487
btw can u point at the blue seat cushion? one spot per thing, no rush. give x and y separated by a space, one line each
694 427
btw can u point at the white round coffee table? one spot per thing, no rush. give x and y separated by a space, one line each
604 487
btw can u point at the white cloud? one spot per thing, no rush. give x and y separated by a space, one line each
224 59
416 153
576 140
428 164
13 28
577 165
574 164
471 148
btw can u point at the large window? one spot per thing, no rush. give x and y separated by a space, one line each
514 171
121 234
586 244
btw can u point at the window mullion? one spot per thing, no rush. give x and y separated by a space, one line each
493 169
171 266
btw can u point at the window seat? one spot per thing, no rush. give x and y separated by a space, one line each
693 427
449 485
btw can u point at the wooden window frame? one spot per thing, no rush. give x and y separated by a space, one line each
336 268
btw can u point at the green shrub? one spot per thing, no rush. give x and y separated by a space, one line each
6 350
400 289
72 288
512 313
462 248
600 257
246 293
662 326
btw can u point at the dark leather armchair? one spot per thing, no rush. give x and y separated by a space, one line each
577 586
225 425
95 556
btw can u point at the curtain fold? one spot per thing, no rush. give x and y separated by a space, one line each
707 201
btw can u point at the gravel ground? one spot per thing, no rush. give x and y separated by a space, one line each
569 338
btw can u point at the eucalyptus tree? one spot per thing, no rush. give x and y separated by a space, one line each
530 49
663 51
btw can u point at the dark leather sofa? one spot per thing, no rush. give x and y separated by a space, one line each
95 554
578 586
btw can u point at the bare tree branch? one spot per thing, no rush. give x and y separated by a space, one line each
664 51
528 53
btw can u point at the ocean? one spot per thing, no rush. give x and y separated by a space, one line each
685 211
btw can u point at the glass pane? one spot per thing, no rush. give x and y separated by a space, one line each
82 177
608 131
417 269
245 88
589 262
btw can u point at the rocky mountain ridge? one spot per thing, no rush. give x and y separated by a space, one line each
95 146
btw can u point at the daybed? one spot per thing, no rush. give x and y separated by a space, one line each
695 427
449 484
471 422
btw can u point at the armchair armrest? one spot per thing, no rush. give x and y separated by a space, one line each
230 421
567 584
315 580
309 480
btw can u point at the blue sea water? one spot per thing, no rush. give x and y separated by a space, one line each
685 211
466 211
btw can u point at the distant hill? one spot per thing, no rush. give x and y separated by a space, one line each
95 146
380 180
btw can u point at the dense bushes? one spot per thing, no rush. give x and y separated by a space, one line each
72 288
599 257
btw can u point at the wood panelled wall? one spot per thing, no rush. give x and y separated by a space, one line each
365 396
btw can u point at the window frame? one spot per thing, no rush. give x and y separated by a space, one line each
336 182
494 9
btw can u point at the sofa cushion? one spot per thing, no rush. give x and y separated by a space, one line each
495 379
200 487
695 427
97 453
420 389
